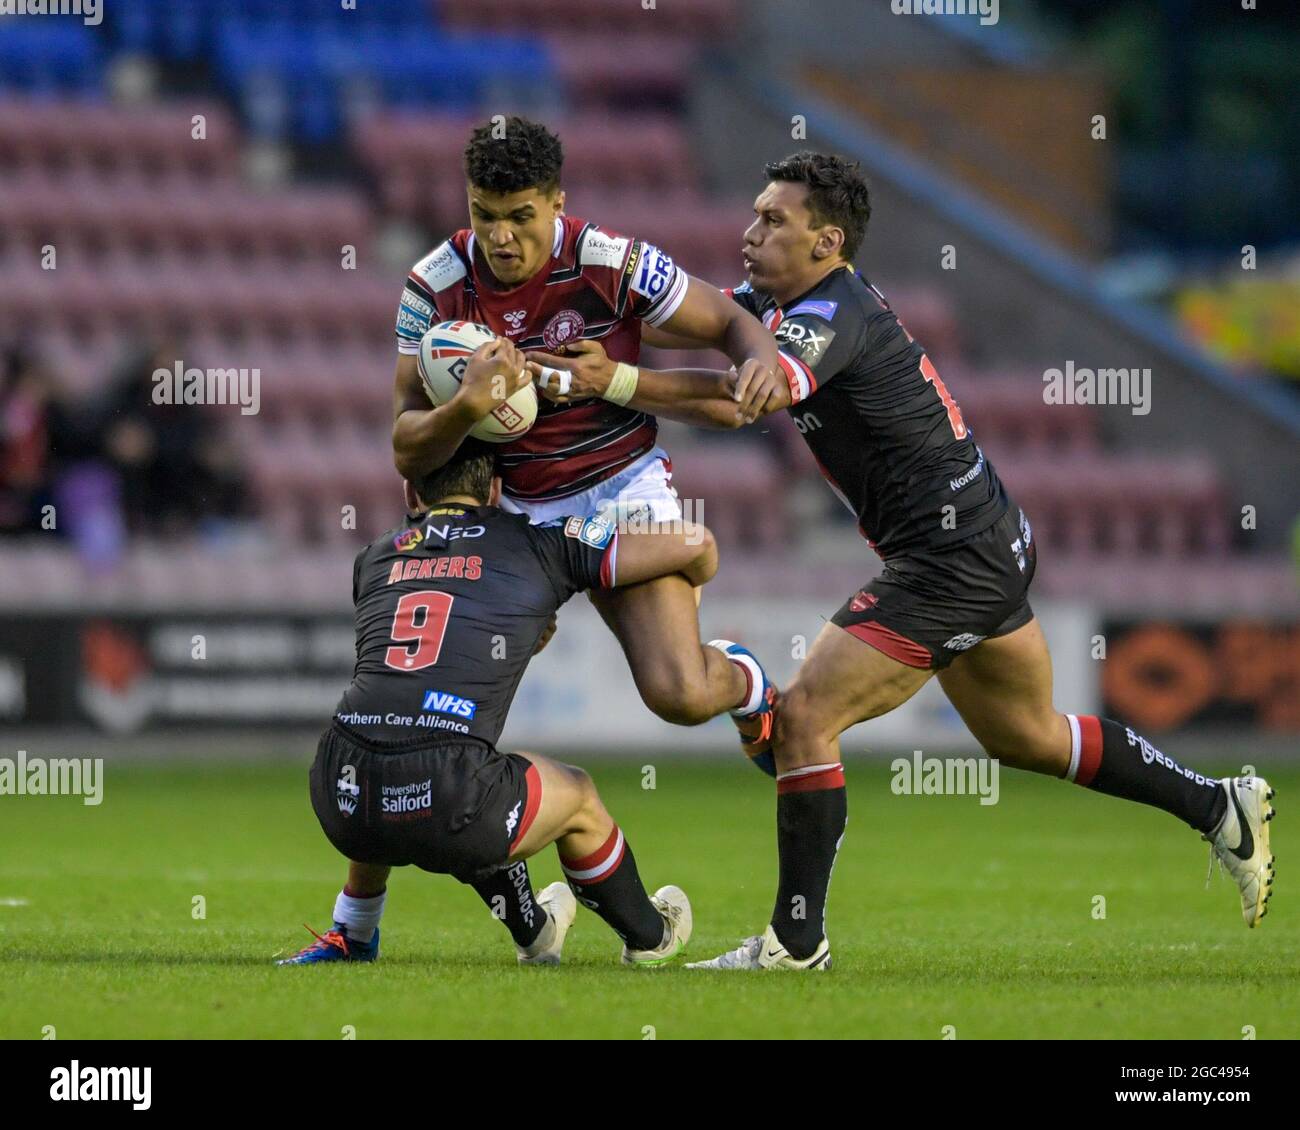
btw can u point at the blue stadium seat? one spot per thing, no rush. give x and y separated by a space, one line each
302 82
47 56
188 29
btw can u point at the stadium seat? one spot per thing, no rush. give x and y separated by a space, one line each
49 57
734 488
612 68
416 159
688 19
1006 412
291 81
1164 506
152 142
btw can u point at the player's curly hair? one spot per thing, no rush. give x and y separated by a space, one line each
469 472
837 192
528 155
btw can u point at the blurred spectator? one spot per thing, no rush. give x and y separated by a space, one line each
33 423
174 465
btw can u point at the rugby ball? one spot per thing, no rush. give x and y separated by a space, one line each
445 351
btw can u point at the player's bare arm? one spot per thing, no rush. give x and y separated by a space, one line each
424 437
707 398
701 397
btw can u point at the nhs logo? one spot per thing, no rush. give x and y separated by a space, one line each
440 702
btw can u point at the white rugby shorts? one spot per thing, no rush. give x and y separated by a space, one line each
643 489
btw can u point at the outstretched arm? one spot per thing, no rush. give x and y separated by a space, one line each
706 319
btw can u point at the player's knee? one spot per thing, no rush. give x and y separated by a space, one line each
1025 743
800 726
676 698
587 806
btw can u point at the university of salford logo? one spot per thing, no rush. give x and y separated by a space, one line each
565 327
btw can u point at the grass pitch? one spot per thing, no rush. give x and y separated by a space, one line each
942 912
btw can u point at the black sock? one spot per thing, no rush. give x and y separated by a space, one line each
608 883
811 811
1108 756
509 896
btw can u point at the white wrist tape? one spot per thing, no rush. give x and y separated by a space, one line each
622 385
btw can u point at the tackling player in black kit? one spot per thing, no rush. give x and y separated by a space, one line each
450 608
959 557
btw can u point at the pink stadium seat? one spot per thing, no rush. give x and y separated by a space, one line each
1166 506
928 315
735 489
153 141
616 68
688 19
211 217
1006 413
416 158
698 231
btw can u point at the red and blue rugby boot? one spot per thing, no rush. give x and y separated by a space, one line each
335 945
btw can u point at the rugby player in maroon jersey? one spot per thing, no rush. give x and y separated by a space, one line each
541 278
959 556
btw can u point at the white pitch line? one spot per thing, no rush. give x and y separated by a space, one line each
13 902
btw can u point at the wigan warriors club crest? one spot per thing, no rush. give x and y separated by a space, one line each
565 327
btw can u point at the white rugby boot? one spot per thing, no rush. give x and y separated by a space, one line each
765 951
1241 843
675 907
561 908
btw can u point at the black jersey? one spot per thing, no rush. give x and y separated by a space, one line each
886 434
449 609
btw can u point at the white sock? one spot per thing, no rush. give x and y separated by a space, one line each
360 916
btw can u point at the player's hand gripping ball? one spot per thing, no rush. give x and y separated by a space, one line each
468 360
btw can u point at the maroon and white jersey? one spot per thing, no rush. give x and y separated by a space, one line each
596 285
